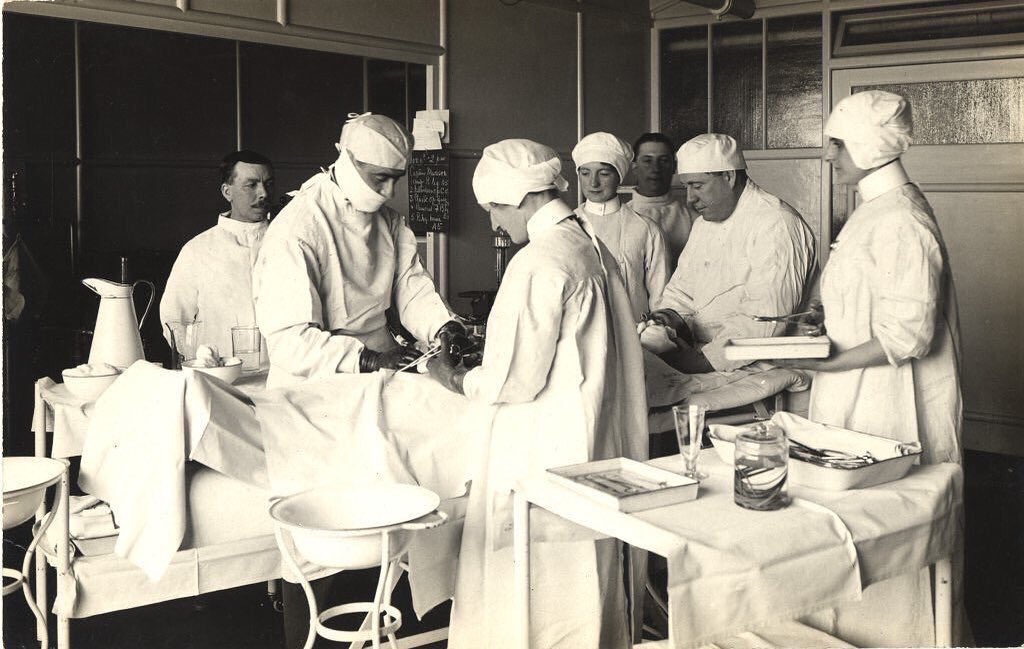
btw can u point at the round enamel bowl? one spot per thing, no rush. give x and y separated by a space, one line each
342 526
228 372
25 482
88 387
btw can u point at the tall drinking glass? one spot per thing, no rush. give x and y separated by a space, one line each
245 344
689 433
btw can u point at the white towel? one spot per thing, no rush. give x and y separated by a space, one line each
142 432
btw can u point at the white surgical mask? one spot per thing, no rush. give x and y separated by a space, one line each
361 195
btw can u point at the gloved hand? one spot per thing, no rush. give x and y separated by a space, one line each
371 361
454 338
670 318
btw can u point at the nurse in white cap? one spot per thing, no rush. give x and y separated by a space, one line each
336 258
564 370
887 292
637 243
748 254
890 310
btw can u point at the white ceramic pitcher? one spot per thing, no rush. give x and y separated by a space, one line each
116 339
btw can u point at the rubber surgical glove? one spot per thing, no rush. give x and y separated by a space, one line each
454 339
670 318
371 361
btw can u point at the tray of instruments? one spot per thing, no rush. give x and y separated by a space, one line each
757 349
626 485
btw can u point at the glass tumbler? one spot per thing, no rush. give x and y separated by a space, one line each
689 422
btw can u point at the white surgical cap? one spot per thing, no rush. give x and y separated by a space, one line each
376 140
511 169
606 148
708 153
875 127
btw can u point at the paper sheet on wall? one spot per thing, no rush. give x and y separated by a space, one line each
430 129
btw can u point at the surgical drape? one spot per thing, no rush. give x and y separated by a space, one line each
325 277
756 262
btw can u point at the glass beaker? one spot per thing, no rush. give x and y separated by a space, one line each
762 465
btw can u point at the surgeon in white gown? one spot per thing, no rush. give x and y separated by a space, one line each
336 258
563 365
890 310
637 243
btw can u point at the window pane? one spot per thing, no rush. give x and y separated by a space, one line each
295 101
793 81
974 111
417 89
736 74
385 85
156 95
684 83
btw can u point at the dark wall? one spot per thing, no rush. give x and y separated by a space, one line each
512 73
158 111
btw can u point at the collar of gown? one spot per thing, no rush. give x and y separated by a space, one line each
608 207
878 182
652 201
548 216
240 228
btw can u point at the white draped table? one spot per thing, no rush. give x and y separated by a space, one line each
732 569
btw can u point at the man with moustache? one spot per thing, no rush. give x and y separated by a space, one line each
211 280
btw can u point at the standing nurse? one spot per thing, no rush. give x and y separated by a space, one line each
890 309
887 293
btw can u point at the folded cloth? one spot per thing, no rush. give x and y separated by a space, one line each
90 518
142 432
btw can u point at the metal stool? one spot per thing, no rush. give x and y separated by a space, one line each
352 528
25 482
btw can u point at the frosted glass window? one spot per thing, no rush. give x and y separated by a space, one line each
684 82
793 82
974 111
736 74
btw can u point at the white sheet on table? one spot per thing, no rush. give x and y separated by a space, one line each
139 437
228 542
897 527
67 416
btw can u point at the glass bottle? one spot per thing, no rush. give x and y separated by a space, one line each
762 464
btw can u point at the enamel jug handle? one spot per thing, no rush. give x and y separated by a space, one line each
152 294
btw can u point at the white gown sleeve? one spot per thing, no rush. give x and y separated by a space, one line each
907 280
657 264
289 313
522 333
780 259
420 308
180 300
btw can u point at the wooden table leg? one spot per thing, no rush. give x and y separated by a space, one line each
944 603
521 564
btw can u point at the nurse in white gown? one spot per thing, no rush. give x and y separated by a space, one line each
563 365
637 243
890 310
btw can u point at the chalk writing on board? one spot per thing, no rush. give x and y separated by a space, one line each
429 191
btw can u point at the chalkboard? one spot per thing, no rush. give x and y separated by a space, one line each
429 191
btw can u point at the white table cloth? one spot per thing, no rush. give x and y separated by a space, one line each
732 569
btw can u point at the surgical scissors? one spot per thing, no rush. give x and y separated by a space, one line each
829 457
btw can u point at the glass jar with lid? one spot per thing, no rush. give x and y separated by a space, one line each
762 464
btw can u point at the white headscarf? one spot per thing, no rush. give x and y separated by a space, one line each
376 140
875 127
511 169
709 153
606 148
